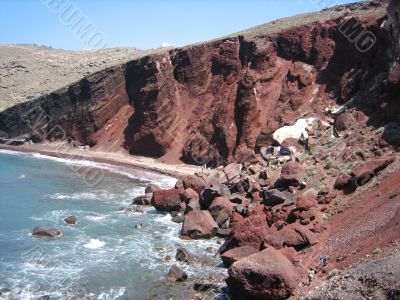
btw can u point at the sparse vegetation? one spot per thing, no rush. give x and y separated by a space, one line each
376 288
334 273
329 165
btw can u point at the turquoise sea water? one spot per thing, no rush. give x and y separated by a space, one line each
104 256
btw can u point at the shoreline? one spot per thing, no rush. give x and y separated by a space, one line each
116 159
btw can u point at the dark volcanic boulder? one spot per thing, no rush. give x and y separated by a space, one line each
141 200
46 232
183 255
167 200
221 210
233 255
365 171
276 197
264 275
342 182
71 220
199 224
291 175
176 274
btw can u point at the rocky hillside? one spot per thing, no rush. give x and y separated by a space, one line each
219 100
28 72
303 122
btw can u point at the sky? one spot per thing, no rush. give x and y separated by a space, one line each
146 24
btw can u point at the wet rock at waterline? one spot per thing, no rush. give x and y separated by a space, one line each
176 274
46 232
71 220
167 200
199 224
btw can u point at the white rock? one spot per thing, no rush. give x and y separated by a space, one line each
296 131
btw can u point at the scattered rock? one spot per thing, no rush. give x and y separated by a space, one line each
178 218
160 249
167 200
306 202
221 210
71 220
194 182
291 236
342 182
264 275
233 172
152 188
183 255
249 231
189 194
391 133
233 255
325 196
46 232
345 121
141 200
365 171
275 197
176 274
223 233
199 224
291 175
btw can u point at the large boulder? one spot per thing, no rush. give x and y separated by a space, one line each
292 174
275 197
233 255
233 172
192 200
349 120
167 200
249 231
199 224
194 182
264 275
364 172
221 210
46 232
293 235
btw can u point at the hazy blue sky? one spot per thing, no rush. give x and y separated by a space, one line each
142 24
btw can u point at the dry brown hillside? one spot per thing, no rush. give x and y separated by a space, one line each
28 71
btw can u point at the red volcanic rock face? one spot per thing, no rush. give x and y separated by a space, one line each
215 102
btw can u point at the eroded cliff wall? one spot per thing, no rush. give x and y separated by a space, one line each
221 100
